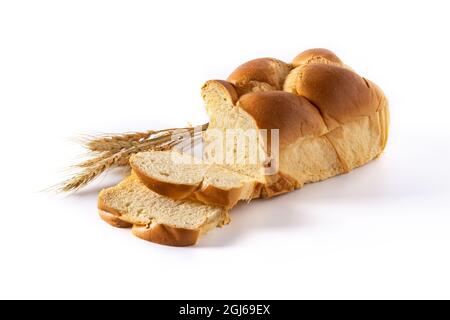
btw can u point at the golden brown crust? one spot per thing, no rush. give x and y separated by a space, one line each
113 219
226 88
215 196
340 94
278 184
317 55
172 190
259 75
166 235
293 115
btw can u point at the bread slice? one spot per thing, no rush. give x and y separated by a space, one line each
226 118
156 218
176 175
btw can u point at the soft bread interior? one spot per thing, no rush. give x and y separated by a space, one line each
347 147
170 166
220 138
133 202
173 167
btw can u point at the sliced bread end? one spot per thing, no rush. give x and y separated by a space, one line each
156 218
208 183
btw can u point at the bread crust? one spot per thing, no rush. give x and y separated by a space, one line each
262 74
294 116
171 190
278 184
226 88
227 197
214 196
113 219
316 55
169 236
338 93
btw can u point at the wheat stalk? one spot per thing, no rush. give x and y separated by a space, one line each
115 142
114 150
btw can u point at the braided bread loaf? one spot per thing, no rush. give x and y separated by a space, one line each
330 121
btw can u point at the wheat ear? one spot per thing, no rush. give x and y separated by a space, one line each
114 150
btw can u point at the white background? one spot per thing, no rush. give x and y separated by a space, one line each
71 67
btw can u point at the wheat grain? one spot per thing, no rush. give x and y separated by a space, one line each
114 142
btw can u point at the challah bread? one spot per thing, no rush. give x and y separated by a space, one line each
156 218
330 121
177 176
